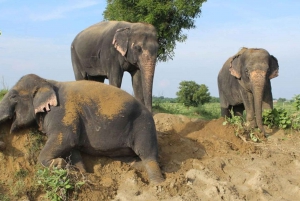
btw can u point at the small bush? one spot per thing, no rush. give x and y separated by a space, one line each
236 121
58 183
276 118
296 102
295 121
240 129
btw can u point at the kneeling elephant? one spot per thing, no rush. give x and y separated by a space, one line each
83 116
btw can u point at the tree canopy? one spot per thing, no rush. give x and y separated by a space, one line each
192 94
169 17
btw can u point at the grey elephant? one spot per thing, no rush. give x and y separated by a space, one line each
77 119
107 49
244 84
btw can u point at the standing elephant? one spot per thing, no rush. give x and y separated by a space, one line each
76 119
244 84
107 49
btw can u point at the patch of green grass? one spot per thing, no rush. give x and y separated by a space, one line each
18 188
4 197
207 111
58 183
21 174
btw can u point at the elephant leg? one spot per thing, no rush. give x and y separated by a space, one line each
137 85
79 74
115 77
153 171
267 97
148 153
76 160
53 151
248 101
225 112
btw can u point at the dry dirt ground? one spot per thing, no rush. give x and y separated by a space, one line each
200 160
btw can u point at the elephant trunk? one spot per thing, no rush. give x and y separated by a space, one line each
147 82
258 79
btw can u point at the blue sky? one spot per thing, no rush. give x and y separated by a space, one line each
36 38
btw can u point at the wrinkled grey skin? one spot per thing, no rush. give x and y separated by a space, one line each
107 49
244 84
76 118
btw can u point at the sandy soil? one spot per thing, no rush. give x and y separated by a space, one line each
200 160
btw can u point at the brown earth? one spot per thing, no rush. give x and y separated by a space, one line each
200 160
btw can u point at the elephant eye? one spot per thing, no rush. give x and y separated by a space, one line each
138 48
13 98
34 93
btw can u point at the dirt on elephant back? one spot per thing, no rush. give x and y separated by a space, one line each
200 160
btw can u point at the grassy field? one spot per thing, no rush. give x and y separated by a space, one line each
288 106
207 111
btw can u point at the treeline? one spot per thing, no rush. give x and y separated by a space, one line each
163 99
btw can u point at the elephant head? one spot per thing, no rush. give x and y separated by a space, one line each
254 68
140 47
30 95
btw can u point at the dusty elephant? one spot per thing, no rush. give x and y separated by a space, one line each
77 119
107 49
244 84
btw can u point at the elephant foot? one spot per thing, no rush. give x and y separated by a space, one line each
251 124
154 172
76 160
58 162
80 166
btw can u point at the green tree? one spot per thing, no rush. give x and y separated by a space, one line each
281 100
169 17
192 94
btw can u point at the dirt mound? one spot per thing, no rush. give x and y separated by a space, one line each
200 160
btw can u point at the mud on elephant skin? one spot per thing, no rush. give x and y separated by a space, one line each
83 116
106 49
244 84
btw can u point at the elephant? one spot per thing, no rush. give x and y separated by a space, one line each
244 84
76 119
106 49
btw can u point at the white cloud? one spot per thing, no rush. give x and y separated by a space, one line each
59 12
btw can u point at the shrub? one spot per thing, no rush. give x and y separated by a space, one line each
296 102
277 118
58 183
240 129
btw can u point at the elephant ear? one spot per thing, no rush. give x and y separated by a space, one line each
44 97
274 67
235 67
120 40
